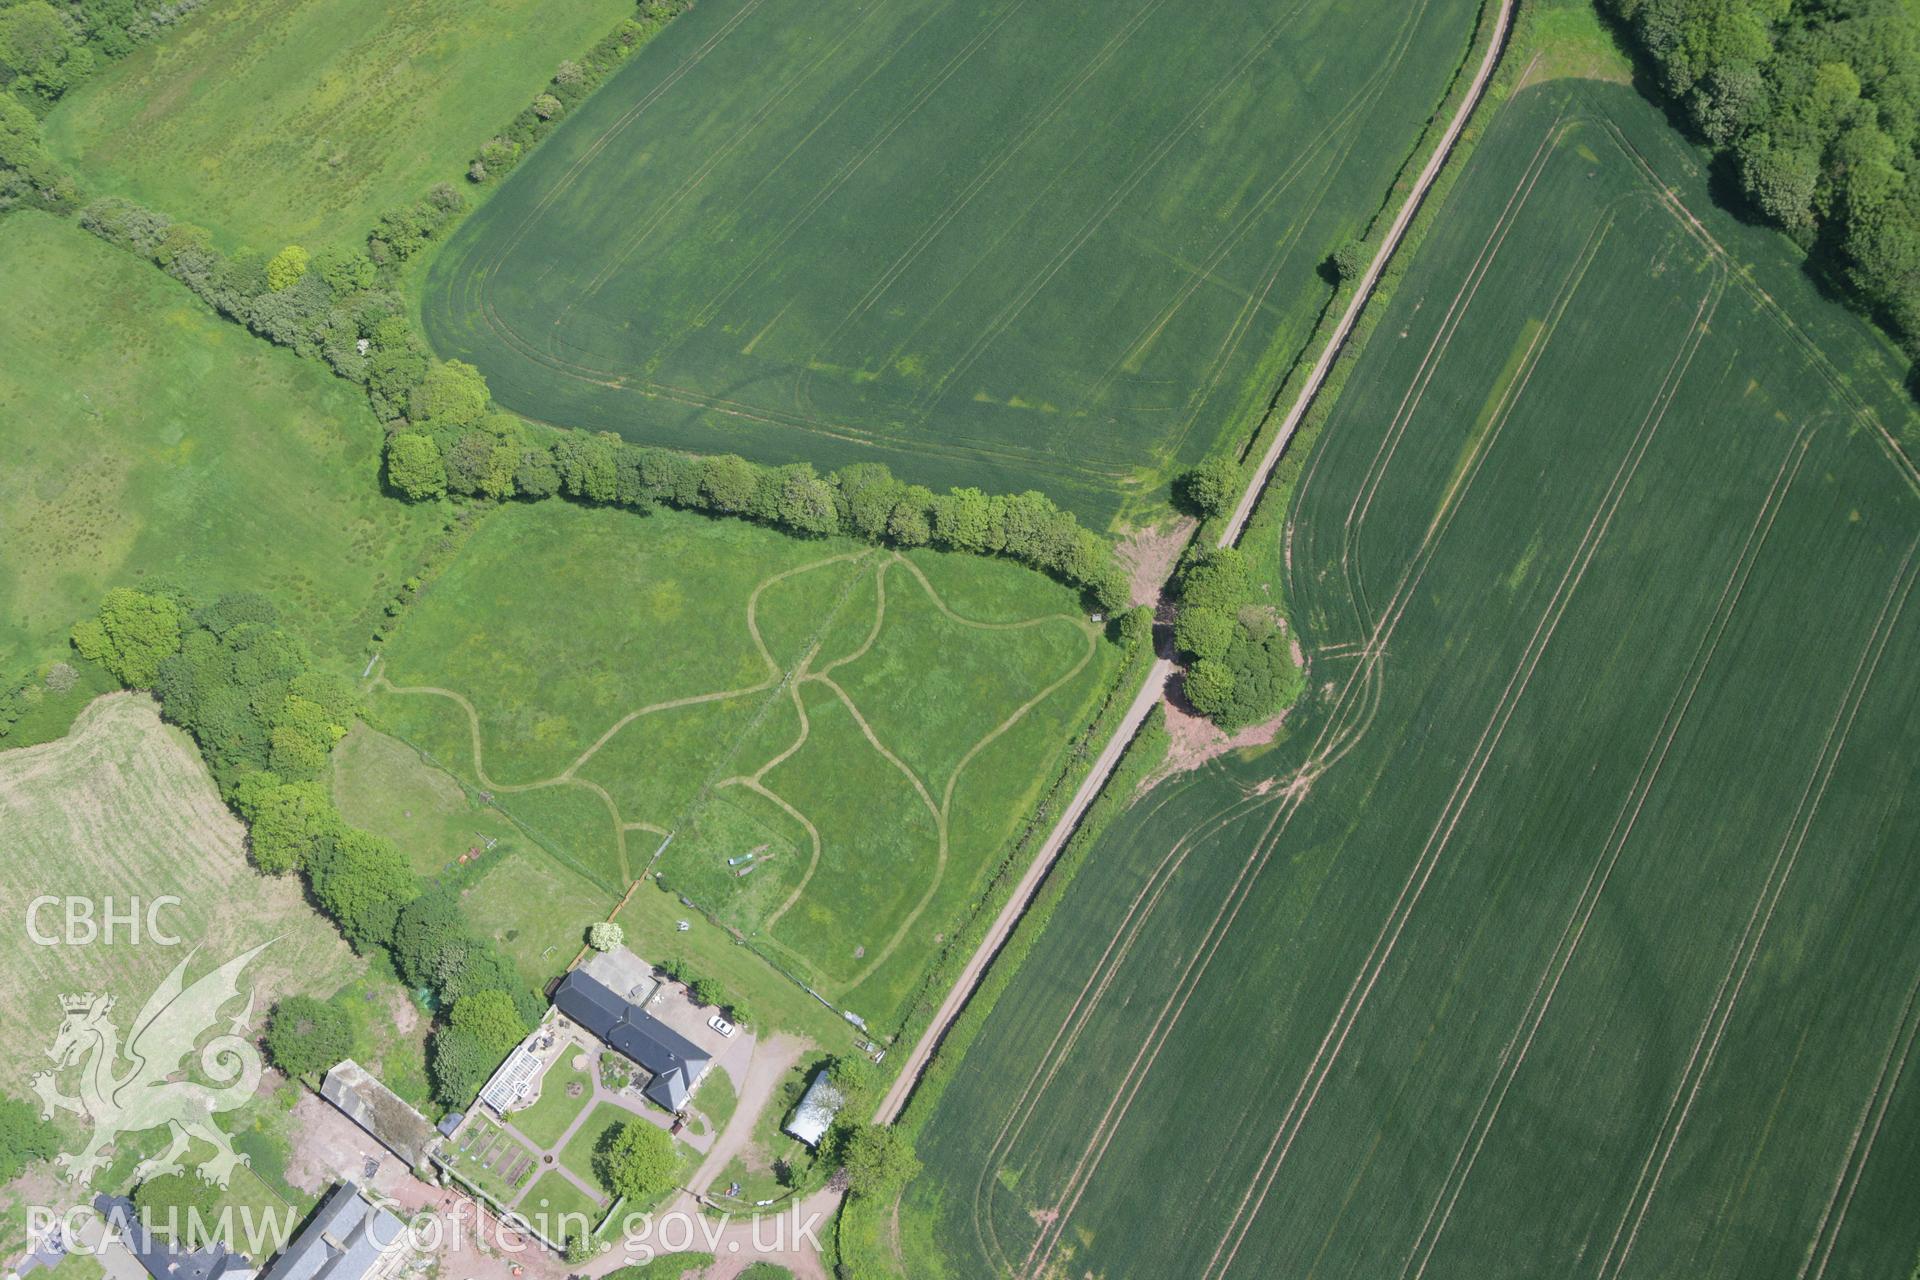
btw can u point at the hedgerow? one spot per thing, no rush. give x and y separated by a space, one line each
265 721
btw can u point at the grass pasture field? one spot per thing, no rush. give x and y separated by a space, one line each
1570 933
123 808
840 739
990 242
149 442
301 121
382 785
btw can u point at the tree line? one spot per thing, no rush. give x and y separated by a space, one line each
265 721
47 50
446 438
1815 104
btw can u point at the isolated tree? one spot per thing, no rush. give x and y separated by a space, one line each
305 1035
414 466
636 1161
878 1160
131 635
285 268
1208 489
61 677
1350 260
604 935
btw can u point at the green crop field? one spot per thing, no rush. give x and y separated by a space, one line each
841 740
122 809
301 121
1571 932
992 242
148 442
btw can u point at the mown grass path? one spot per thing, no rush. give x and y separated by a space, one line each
789 681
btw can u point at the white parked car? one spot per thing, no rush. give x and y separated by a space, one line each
720 1024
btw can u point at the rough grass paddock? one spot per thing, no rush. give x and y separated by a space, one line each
819 705
381 784
150 443
1570 932
122 807
301 121
994 242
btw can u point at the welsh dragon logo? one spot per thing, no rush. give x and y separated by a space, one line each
142 1085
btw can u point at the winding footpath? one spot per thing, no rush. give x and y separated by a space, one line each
1149 695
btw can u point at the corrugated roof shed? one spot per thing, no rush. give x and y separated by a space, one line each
818 1106
378 1110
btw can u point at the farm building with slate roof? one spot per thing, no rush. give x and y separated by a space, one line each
675 1062
162 1260
348 1238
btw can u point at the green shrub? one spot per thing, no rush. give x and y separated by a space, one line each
1205 631
307 1036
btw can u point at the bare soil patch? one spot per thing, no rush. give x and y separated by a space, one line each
1150 555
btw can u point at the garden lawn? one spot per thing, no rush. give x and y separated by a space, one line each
989 242
579 1151
277 122
546 1121
840 752
150 443
1570 930
716 1100
559 1209
578 1155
